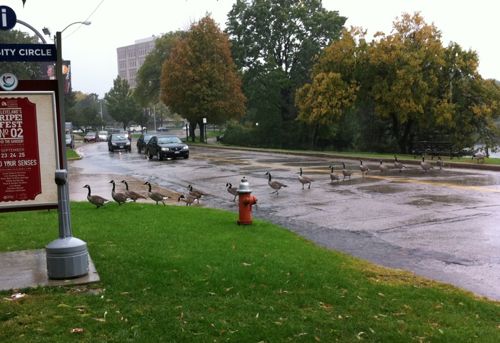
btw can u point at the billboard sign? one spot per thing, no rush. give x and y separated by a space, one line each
28 150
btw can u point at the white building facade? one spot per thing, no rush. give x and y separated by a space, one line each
131 58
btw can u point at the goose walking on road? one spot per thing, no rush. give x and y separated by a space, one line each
333 176
305 180
120 198
276 185
479 156
131 194
189 200
156 196
232 190
364 169
345 172
382 167
426 166
398 164
440 163
96 200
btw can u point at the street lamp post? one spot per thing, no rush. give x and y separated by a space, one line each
67 256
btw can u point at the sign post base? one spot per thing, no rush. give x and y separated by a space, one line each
67 258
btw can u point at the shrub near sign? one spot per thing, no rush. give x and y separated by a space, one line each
19 157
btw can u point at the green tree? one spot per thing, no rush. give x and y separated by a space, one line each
400 89
23 70
147 91
199 79
85 111
281 39
121 104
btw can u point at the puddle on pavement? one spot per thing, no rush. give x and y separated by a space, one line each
430 199
309 164
382 189
467 180
342 191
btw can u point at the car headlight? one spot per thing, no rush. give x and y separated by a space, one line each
185 147
165 149
128 143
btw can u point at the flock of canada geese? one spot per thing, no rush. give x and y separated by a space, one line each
193 195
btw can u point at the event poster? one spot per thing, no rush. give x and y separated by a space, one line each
28 151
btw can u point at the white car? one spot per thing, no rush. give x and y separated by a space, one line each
102 136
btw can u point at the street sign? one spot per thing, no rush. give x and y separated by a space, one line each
28 53
8 18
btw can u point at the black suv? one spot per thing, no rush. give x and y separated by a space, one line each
142 142
118 141
166 147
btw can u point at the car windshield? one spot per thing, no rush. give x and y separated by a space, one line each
168 140
90 133
118 138
146 138
103 133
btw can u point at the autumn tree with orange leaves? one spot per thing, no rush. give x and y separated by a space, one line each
199 79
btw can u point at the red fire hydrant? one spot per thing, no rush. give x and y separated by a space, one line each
246 200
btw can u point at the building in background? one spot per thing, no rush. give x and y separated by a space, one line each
131 58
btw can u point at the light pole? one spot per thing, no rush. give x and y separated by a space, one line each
67 256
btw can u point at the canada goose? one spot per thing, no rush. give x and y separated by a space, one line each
440 163
276 185
425 165
479 156
96 200
345 172
131 194
196 192
364 169
232 190
187 199
305 180
333 176
120 198
155 195
397 164
382 167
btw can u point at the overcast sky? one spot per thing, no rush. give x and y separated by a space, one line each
117 23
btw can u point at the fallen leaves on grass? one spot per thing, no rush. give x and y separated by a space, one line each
16 296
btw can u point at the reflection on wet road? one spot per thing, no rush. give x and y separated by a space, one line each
442 224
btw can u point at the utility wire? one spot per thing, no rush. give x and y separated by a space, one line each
87 19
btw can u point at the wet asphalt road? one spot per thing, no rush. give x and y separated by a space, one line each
443 224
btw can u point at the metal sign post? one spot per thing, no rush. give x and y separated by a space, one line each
67 256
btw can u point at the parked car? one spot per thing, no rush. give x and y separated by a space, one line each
167 147
90 136
118 141
70 141
142 142
102 136
162 129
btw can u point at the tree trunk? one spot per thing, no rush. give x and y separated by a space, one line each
192 128
202 132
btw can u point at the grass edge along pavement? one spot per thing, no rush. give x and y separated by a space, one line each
189 274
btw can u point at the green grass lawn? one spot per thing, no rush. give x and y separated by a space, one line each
188 274
71 154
